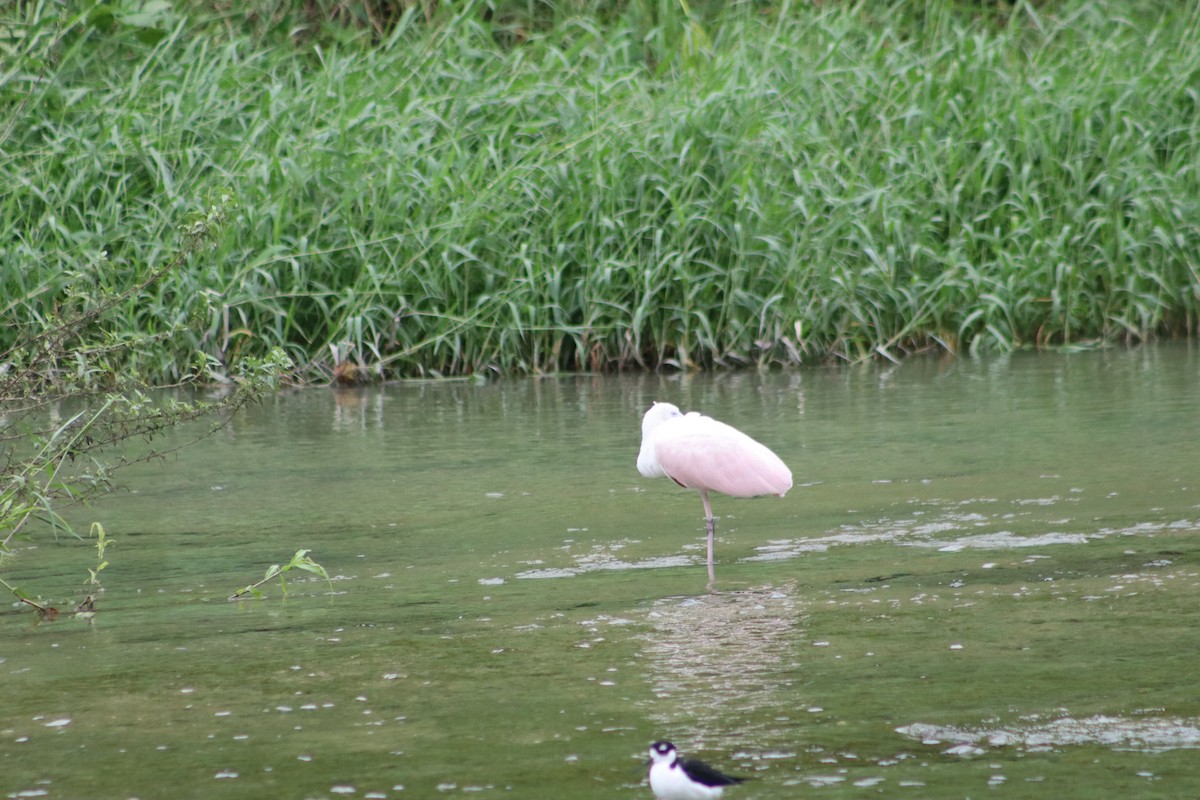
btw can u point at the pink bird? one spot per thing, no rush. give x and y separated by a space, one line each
697 452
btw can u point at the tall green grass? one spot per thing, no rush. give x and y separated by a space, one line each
771 186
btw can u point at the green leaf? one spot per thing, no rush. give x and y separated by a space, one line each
150 36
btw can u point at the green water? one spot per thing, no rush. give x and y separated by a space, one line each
997 557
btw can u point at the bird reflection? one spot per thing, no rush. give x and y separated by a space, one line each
719 660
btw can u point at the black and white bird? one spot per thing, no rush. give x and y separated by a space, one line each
673 777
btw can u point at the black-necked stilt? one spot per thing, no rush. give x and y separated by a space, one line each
675 778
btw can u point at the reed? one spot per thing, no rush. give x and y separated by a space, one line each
774 185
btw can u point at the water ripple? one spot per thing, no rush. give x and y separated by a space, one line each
722 659
1119 733
921 532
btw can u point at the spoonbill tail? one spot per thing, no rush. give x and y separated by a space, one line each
697 452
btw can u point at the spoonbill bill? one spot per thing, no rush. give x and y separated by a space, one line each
700 453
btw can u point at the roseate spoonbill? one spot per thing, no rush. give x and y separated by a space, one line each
697 452
675 778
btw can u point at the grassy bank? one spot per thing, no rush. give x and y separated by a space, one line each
770 186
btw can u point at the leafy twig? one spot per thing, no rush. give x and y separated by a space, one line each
45 613
299 561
